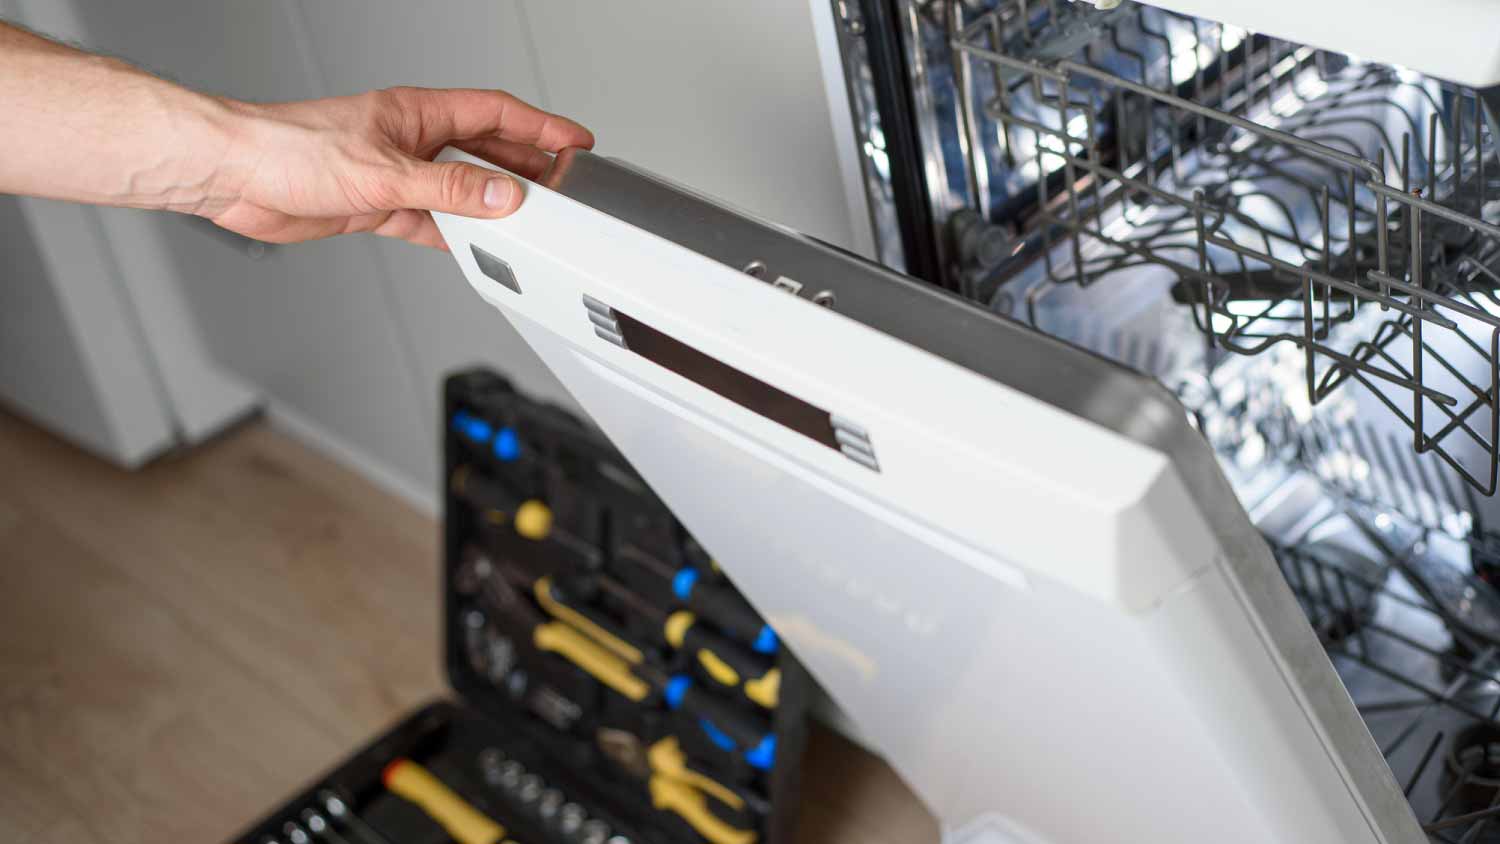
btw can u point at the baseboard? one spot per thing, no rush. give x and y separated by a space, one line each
315 436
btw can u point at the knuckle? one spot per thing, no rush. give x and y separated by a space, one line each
388 104
376 186
400 112
394 95
379 102
453 184
379 191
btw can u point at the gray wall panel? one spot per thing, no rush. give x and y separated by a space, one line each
354 335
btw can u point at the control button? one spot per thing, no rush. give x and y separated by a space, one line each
495 268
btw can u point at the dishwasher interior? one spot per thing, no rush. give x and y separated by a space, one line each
1301 245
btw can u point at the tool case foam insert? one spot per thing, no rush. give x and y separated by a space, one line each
610 684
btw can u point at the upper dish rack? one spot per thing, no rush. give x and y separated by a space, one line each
1289 196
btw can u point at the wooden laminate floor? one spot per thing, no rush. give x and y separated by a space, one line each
183 646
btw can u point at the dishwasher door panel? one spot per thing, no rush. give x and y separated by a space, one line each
1023 578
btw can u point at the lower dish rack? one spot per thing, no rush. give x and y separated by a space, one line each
1415 641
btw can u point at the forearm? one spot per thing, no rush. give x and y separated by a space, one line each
90 129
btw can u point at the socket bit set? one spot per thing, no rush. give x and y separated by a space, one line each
611 685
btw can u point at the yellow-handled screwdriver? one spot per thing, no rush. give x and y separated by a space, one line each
418 785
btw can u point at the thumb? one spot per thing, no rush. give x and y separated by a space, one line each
454 187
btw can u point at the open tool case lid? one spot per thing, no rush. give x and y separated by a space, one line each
532 491
602 521
1013 564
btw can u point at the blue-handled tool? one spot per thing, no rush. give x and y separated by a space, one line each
725 609
729 729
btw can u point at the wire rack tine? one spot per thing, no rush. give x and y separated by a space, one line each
1198 137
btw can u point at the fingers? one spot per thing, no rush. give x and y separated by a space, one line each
465 113
412 226
272 227
275 227
523 160
409 225
454 188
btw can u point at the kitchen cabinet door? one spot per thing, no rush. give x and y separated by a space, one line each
98 345
312 325
70 355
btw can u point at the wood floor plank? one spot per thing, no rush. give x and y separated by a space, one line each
296 585
851 796
119 716
183 646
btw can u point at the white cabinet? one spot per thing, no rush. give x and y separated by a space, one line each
311 325
95 338
67 358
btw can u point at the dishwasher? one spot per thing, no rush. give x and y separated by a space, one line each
1143 488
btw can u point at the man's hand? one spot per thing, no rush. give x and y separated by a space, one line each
89 129
301 171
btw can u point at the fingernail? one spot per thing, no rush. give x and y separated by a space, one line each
497 193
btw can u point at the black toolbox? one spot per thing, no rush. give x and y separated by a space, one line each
610 685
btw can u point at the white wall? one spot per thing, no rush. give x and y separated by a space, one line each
350 338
